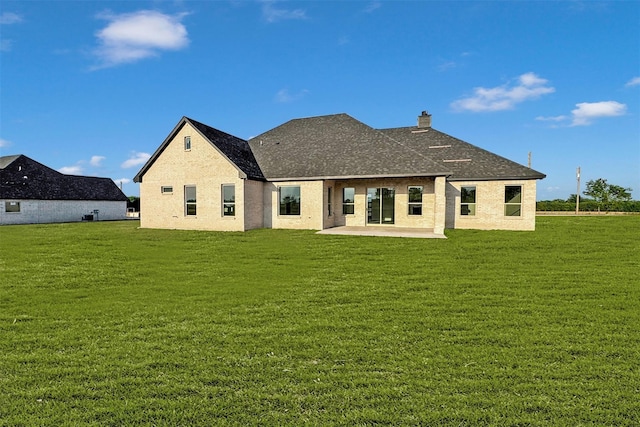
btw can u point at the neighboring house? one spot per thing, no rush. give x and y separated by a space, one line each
31 192
328 171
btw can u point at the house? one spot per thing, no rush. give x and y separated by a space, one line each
31 192
330 171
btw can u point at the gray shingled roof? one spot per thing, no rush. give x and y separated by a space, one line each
466 161
337 146
235 149
23 178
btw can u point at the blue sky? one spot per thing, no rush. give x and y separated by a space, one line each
93 87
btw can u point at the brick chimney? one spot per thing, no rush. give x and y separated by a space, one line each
424 120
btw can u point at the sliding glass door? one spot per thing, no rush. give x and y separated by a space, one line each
380 205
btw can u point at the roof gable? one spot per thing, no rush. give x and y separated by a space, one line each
336 146
234 149
24 178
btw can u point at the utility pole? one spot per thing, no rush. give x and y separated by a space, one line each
529 162
578 190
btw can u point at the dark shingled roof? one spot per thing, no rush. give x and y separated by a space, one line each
235 149
466 161
23 178
337 146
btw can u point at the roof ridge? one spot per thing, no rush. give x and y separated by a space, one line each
30 179
196 122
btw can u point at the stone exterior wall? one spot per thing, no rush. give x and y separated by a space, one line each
490 206
330 210
440 205
401 208
253 204
204 167
311 206
49 211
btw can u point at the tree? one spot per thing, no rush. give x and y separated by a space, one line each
573 197
605 193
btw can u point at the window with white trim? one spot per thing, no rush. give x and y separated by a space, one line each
415 200
190 200
348 199
187 143
228 200
468 201
12 207
513 200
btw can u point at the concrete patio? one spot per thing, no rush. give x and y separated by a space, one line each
381 231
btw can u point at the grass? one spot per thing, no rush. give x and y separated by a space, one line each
107 324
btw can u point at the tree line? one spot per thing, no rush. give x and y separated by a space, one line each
600 197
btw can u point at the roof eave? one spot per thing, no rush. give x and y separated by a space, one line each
498 178
343 177
159 150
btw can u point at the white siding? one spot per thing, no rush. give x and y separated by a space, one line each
47 211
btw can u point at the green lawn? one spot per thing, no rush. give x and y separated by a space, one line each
107 324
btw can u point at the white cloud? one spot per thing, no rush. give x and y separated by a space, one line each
272 14
6 45
136 159
447 65
505 97
552 119
71 170
589 111
122 181
372 6
531 79
96 161
284 96
134 36
4 143
633 82
8 18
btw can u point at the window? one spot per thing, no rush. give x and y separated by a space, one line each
415 200
12 207
289 200
329 198
468 201
228 200
189 200
187 143
513 200
166 189
348 199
